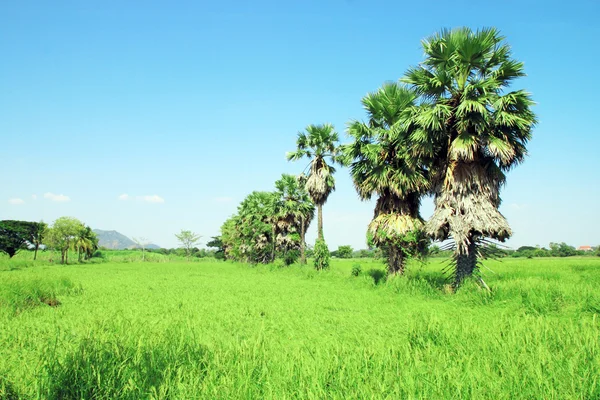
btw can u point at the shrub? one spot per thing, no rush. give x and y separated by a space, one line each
99 254
291 257
321 255
356 270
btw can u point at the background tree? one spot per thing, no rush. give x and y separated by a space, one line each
37 236
188 240
383 164
141 243
474 130
345 251
85 243
63 235
14 235
319 143
217 243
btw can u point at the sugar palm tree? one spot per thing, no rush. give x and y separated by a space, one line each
381 164
319 144
296 210
475 129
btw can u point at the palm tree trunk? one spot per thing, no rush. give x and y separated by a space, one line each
302 244
37 245
466 263
273 244
320 221
396 261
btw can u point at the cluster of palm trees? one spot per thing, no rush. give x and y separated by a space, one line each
452 127
270 224
67 233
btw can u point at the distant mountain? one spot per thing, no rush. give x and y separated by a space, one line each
117 241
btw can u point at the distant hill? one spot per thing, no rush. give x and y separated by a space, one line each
117 241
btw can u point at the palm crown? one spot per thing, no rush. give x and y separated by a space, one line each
477 129
318 143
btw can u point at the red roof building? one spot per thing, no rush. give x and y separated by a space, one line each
585 248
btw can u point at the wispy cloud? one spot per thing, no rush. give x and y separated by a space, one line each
124 197
16 201
223 199
34 196
152 199
59 198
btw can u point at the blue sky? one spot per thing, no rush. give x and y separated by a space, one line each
187 107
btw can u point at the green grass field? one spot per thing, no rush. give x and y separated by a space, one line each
219 330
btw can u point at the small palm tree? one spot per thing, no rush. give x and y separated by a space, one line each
319 143
381 163
474 129
295 209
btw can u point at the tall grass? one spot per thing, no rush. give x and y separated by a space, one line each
223 331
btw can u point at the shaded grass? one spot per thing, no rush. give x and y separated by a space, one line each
226 331
18 295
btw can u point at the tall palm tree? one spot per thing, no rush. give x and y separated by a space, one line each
296 210
381 163
475 129
319 143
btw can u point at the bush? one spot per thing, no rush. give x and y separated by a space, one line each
356 270
99 254
291 257
321 255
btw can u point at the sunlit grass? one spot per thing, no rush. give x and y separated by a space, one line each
221 330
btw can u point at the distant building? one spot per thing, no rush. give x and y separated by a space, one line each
585 248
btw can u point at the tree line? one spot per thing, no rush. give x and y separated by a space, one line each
452 127
66 233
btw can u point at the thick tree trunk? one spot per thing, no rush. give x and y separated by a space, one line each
302 243
320 221
466 264
395 261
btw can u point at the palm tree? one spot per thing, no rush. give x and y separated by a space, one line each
295 209
85 242
318 143
381 163
475 130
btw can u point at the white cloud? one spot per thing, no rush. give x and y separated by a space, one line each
152 199
34 196
124 197
59 198
16 201
223 199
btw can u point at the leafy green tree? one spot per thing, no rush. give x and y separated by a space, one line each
474 130
562 250
188 240
345 251
383 164
63 235
13 236
319 144
217 243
